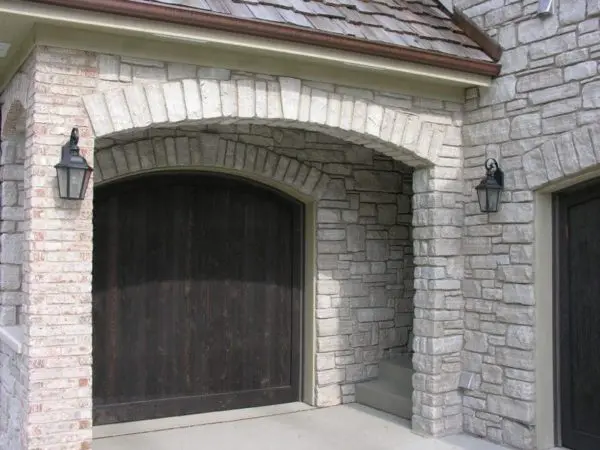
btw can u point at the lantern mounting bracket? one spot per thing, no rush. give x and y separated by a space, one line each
494 171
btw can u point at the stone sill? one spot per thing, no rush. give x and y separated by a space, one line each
13 337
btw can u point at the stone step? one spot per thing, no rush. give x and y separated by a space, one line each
397 371
386 397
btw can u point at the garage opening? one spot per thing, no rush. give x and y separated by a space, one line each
197 296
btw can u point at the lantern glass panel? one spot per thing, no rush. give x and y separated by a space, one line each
489 198
482 197
63 177
76 181
493 195
86 181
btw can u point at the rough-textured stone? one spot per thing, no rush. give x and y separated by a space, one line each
517 435
552 64
518 293
363 211
520 337
519 389
525 126
499 92
511 408
476 342
364 297
363 207
591 95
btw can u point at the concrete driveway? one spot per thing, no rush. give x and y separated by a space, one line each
287 427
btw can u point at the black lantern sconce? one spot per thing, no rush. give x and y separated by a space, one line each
490 189
73 170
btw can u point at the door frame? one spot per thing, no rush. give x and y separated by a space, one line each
307 270
560 297
545 288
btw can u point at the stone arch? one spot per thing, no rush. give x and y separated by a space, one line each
210 152
568 154
336 220
402 135
14 103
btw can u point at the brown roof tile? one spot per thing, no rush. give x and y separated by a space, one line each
418 24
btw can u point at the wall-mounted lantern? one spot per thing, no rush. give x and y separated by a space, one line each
73 170
490 189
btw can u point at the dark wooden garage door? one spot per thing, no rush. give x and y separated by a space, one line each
196 297
579 318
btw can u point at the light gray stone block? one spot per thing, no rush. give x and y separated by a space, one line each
517 435
511 408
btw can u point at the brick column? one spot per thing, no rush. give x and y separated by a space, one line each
438 324
57 261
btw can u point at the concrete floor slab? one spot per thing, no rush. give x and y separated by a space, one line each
193 420
347 427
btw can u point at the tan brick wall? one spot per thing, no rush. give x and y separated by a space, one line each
58 259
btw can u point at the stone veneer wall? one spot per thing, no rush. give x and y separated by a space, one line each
12 382
57 342
13 396
549 87
364 308
13 368
438 190
11 228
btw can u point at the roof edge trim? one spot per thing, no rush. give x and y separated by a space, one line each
472 30
185 16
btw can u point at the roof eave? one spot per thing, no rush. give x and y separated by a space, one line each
197 18
479 36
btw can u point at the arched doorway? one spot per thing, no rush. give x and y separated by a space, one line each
197 296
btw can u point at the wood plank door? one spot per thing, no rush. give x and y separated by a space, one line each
196 297
579 318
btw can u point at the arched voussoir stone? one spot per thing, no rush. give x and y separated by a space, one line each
210 152
14 103
286 102
564 156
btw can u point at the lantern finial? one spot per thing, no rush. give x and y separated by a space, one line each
74 141
493 170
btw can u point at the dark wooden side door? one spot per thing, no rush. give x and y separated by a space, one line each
579 317
196 297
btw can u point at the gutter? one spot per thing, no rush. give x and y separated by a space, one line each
197 18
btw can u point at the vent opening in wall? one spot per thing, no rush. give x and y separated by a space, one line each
545 7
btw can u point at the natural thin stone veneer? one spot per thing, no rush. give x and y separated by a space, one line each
364 279
120 97
539 119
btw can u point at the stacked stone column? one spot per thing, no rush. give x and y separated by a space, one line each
12 393
438 323
57 262
11 231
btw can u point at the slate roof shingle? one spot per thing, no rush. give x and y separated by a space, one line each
417 24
